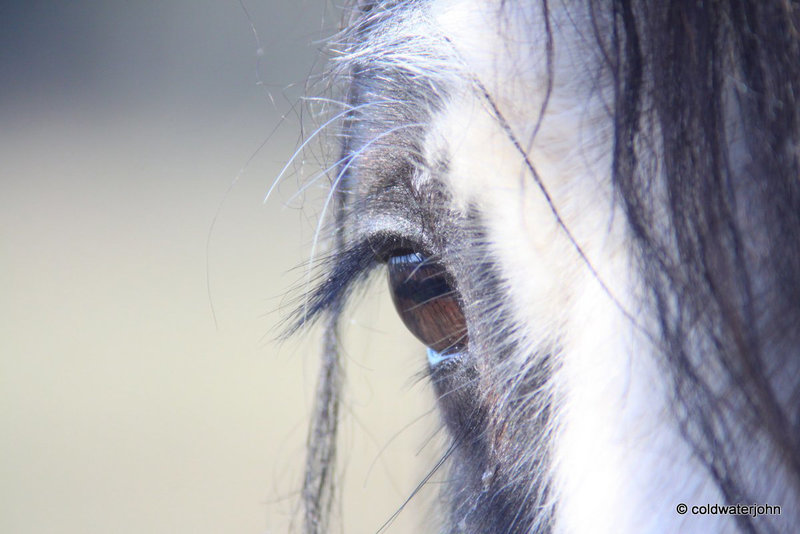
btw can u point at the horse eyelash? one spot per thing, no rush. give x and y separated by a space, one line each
344 271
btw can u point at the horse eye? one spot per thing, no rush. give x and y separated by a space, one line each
428 304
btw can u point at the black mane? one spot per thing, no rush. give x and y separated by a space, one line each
720 81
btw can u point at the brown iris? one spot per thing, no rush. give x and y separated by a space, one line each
427 302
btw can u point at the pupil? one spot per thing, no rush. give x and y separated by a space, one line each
427 303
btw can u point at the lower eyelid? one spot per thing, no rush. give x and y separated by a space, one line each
437 358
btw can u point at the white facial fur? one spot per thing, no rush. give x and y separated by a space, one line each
619 462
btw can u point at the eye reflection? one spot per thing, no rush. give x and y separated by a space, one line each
428 304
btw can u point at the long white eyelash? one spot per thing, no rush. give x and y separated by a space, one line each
336 118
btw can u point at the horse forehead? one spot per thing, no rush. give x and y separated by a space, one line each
491 155
507 113
527 141
460 65
523 97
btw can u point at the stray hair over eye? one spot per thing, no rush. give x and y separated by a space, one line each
427 302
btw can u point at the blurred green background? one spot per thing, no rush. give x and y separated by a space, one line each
123 406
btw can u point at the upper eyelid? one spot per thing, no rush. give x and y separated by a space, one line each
388 244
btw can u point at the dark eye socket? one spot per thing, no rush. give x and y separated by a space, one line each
427 302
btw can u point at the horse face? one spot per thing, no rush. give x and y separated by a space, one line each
487 162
